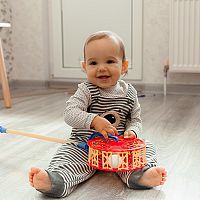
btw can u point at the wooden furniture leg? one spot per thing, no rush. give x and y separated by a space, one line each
4 80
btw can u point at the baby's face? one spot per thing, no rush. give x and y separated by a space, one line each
103 62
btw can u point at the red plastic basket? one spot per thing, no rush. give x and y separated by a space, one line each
123 155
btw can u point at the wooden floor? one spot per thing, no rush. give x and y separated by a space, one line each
171 123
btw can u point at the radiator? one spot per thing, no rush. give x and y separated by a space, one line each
184 36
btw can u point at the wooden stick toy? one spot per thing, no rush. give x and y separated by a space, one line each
113 154
32 135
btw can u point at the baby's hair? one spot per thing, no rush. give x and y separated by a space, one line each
106 34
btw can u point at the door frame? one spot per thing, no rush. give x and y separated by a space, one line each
57 71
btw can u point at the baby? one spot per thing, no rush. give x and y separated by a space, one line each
104 64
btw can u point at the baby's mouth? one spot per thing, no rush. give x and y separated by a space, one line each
103 77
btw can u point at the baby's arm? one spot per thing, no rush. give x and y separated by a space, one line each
75 113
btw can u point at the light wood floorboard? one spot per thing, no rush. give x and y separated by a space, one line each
171 123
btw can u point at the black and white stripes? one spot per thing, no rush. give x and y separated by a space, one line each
70 162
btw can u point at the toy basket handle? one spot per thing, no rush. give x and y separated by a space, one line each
85 146
97 134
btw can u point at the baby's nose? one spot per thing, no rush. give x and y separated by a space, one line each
101 67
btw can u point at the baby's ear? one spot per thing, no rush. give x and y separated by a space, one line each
83 65
124 67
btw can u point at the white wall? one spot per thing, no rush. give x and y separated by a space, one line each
30 41
156 36
6 36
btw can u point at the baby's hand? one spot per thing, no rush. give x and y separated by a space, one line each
129 134
103 126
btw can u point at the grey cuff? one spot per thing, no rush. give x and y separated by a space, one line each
134 178
57 185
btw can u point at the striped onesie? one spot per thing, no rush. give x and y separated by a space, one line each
69 167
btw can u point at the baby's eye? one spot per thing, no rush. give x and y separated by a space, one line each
110 61
93 63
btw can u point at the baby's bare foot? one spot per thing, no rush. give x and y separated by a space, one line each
39 179
154 176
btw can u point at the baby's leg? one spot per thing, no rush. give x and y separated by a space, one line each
50 183
67 169
149 176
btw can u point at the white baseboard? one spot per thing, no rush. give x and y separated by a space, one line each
144 88
28 84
